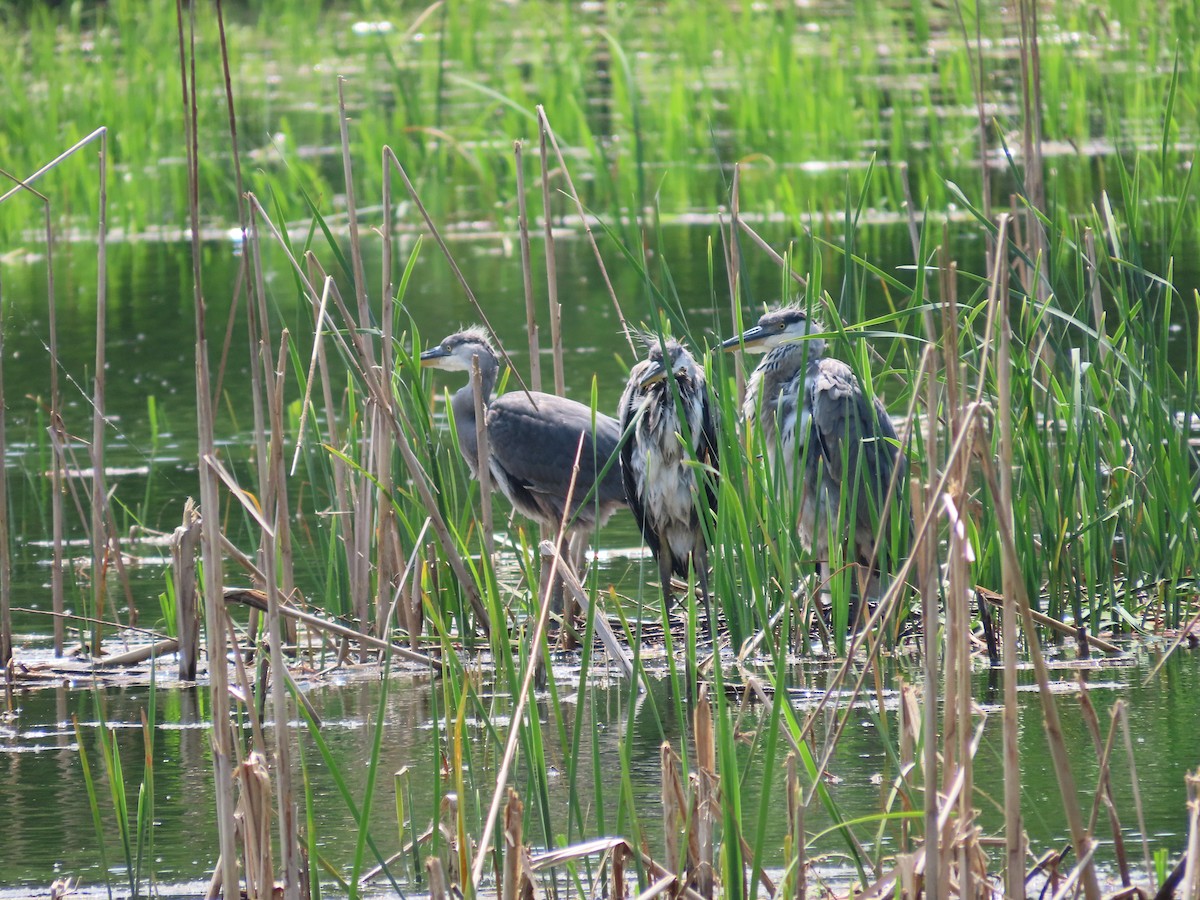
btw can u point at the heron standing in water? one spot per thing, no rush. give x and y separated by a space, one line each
533 439
659 460
812 413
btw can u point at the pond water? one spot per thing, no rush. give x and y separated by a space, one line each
42 789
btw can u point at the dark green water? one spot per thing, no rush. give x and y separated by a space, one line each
50 829
150 343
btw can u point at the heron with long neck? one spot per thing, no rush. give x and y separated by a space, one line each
533 440
816 423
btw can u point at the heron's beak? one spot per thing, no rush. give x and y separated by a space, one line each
749 339
656 373
433 357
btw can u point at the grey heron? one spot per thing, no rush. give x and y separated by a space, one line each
661 480
533 439
812 413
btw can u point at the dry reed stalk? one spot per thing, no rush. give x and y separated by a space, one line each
798 840
356 258
535 654
674 807
6 632
58 438
547 132
99 507
1104 791
517 884
551 262
997 600
923 499
531 326
1119 712
184 543
484 454
957 728
413 610
909 727
254 817
306 401
772 254
1014 830
707 794
438 889
209 502
276 508
1031 129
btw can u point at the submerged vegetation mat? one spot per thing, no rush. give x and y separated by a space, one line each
1043 384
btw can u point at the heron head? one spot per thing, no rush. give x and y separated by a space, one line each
454 353
677 361
779 326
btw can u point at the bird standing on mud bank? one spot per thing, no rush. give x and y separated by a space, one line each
814 417
533 439
659 459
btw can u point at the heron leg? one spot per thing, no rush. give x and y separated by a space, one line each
700 564
665 568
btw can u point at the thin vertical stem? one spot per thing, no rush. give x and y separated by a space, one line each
6 632
214 607
551 266
1014 838
531 326
99 491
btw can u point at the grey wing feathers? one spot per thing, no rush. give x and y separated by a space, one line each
536 446
841 414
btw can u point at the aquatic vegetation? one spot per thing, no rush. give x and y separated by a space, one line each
1041 399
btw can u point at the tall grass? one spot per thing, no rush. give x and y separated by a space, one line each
658 103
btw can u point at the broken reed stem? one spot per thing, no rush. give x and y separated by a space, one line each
551 263
184 542
1014 836
209 502
257 600
531 326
